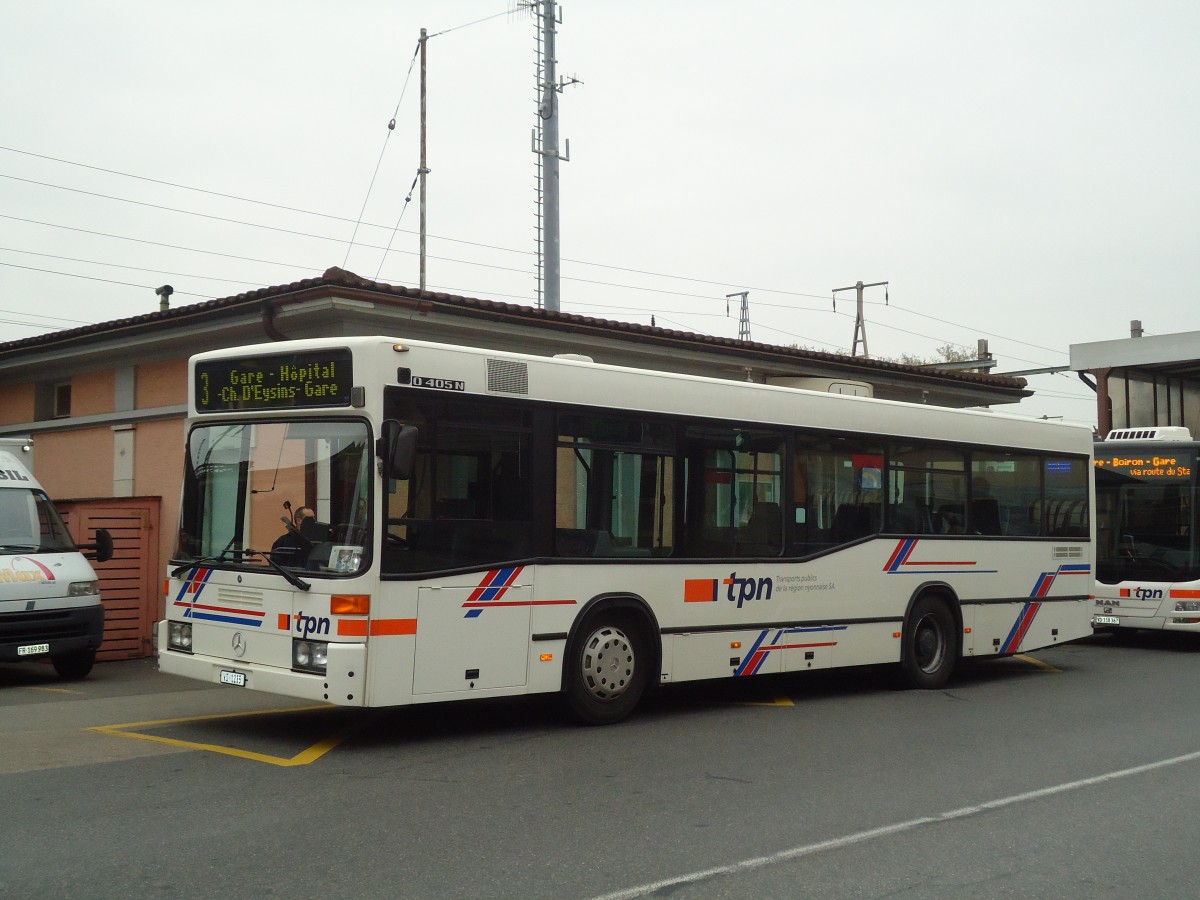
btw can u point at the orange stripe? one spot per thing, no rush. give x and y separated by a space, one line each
352 627
285 622
1189 595
393 626
361 627
699 590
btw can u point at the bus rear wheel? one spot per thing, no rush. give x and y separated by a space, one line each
931 647
608 670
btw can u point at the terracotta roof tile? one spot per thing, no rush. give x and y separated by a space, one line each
449 303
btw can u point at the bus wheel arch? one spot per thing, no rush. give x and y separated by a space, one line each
931 639
613 655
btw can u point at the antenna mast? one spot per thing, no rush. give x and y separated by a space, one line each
860 322
423 169
545 145
744 319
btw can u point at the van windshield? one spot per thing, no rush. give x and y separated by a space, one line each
29 523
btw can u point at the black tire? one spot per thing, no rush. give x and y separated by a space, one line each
608 668
73 666
931 644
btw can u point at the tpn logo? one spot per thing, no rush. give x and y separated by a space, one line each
744 590
737 590
1141 593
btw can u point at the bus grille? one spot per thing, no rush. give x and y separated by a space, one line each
508 377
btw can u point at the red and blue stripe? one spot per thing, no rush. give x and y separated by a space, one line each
491 590
902 563
757 655
194 585
1030 609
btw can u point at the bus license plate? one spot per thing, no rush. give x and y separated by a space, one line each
33 649
236 678
1107 620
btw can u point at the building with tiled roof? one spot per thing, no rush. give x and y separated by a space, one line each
102 407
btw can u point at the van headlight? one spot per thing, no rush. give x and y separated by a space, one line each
83 588
179 636
310 656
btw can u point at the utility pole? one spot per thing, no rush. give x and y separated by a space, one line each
423 170
744 320
860 322
547 150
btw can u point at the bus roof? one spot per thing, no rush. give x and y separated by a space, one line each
575 381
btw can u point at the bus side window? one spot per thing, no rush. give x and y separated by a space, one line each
614 487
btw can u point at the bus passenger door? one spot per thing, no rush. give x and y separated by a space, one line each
472 638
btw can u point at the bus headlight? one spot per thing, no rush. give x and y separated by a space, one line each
1187 606
179 636
83 588
310 656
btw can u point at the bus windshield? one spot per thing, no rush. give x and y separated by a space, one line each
1144 522
295 494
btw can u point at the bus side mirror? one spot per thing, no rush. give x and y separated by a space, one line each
398 449
102 550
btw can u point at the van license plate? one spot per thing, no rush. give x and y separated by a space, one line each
33 649
237 678
1106 620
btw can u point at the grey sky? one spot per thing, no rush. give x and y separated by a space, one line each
1020 171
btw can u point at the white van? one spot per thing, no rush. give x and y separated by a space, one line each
49 594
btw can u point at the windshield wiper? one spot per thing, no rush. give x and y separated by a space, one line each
18 548
292 579
199 561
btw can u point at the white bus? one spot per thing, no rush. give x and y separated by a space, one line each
484 524
1147 558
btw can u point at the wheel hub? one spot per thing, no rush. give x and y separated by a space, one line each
608 663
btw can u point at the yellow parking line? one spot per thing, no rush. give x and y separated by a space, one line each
303 758
780 700
56 690
1044 666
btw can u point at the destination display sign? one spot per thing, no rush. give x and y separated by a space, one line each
1163 465
299 380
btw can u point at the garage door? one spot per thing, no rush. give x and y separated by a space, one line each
129 582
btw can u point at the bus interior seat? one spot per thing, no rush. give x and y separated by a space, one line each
589 542
319 545
951 516
763 533
852 520
574 541
985 516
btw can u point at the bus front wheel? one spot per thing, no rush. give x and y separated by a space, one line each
930 648
609 666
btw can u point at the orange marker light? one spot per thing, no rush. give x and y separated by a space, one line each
966 631
546 657
734 645
895 634
350 604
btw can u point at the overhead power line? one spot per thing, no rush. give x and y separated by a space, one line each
577 262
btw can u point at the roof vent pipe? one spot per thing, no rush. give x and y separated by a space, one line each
164 297
1135 328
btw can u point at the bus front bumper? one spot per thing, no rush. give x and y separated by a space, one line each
343 684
